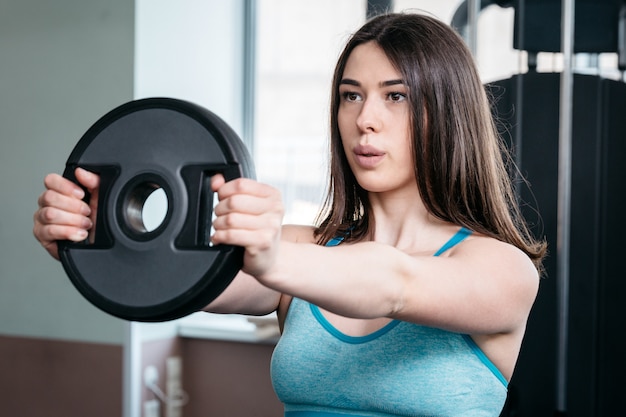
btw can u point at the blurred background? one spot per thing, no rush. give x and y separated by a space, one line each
265 67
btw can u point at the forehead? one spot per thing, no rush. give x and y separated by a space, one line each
368 60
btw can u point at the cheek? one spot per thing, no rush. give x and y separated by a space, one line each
406 145
346 131
342 122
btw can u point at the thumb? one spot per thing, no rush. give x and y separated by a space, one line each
217 181
87 179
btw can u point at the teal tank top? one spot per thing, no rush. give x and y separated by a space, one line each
402 369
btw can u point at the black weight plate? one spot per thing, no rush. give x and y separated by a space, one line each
171 271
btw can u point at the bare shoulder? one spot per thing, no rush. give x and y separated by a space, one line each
298 233
498 259
508 279
494 250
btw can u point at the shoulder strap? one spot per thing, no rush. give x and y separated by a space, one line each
454 240
335 241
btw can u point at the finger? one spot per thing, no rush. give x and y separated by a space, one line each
252 240
55 199
244 186
87 179
48 216
217 181
52 233
249 204
246 222
56 182
48 235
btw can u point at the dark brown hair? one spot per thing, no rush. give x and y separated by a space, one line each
459 158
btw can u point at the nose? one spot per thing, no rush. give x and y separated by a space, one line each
369 118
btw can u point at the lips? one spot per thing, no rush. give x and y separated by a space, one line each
368 156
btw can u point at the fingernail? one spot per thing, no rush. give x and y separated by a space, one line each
80 235
87 223
85 210
79 193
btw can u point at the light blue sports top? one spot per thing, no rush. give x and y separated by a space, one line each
402 369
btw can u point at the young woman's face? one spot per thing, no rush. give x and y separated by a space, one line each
373 121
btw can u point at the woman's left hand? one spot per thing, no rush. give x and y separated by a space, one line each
249 214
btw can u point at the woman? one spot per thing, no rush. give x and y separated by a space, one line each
411 296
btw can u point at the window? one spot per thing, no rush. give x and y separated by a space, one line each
297 45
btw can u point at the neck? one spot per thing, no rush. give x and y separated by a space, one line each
401 219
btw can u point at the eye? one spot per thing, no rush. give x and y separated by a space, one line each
350 96
396 97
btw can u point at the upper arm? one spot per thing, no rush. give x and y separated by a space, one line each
483 286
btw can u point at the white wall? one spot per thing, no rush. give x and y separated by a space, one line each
63 64
192 50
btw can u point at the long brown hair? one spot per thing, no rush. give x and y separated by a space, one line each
461 165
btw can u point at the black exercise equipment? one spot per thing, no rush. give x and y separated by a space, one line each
590 382
538 24
596 342
126 269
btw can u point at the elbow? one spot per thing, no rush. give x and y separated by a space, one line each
400 288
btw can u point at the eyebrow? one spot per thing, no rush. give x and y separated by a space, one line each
349 81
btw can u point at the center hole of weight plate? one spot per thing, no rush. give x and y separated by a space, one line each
154 210
145 208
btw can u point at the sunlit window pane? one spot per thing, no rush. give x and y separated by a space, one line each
297 46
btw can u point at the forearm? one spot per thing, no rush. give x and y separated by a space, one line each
245 295
364 280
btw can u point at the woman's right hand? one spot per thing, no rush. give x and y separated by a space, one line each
62 213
